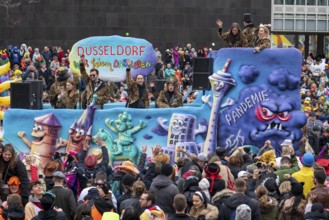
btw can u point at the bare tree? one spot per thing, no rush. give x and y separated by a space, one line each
10 4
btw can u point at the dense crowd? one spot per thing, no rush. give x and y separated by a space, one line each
291 185
213 186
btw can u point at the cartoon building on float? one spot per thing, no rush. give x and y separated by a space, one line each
46 129
182 131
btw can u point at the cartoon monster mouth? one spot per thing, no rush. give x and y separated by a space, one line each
273 128
274 125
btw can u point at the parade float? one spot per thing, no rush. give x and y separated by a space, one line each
254 97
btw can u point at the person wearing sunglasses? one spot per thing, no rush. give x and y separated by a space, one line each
94 86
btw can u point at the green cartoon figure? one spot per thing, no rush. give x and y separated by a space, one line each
125 129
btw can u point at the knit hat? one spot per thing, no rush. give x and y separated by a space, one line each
128 180
243 174
166 169
203 197
204 184
14 180
251 168
308 160
202 157
296 188
286 142
92 194
212 171
220 151
243 212
47 201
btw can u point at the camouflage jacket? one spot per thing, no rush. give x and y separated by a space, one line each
227 38
69 100
133 92
102 91
56 89
175 100
249 35
263 43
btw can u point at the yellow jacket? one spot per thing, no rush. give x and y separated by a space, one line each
305 175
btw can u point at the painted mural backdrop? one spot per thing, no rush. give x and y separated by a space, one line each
254 97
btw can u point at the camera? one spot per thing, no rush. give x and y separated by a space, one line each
62 154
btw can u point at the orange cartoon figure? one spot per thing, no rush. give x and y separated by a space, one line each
46 129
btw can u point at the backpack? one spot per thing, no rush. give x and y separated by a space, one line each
243 211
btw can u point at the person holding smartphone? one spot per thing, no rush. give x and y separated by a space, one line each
69 96
138 94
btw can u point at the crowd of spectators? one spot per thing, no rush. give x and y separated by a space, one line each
292 185
211 187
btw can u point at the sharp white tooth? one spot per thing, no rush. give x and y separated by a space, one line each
280 127
268 127
276 126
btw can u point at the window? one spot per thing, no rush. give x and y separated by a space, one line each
322 25
290 2
310 25
310 2
322 2
278 24
278 2
300 2
300 25
289 24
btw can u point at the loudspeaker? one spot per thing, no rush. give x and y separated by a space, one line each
202 69
37 90
26 95
21 95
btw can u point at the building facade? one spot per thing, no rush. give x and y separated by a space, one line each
302 24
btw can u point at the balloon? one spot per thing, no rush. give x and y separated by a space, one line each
127 34
4 68
5 101
6 85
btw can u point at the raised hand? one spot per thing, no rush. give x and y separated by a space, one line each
144 149
156 150
219 23
99 141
